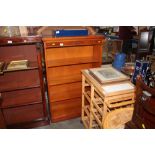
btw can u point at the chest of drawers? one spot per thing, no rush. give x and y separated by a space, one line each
65 57
22 91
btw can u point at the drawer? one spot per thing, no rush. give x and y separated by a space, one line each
65 109
21 97
9 53
72 42
66 74
19 80
23 114
148 117
70 55
65 91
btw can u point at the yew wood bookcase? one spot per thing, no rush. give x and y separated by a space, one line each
65 57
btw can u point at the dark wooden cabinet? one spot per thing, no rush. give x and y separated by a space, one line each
144 109
22 91
65 57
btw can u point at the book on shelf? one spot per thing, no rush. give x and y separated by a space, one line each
17 65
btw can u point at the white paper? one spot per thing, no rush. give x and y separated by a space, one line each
117 87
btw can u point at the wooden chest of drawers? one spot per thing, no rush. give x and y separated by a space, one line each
65 58
144 109
22 91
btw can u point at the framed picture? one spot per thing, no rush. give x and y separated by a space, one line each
107 74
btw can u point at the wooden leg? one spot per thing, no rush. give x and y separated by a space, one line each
91 106
105 109
83 90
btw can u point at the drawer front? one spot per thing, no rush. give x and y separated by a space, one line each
72 43
148 117
65 109
9 53
23 114
65 91
66 74
21 97
69 55
19 80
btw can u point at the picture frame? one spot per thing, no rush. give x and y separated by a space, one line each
108 75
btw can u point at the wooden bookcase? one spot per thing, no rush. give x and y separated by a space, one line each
23 100
65 57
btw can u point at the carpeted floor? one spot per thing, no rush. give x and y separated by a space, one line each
69 124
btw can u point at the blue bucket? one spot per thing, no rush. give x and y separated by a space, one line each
119 61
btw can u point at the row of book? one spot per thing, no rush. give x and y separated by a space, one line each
13 65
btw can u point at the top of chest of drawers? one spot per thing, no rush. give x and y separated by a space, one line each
72 41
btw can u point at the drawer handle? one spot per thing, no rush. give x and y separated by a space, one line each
9 41
61 44
78 42
53 44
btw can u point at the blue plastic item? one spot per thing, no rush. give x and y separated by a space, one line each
69 33
119 61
